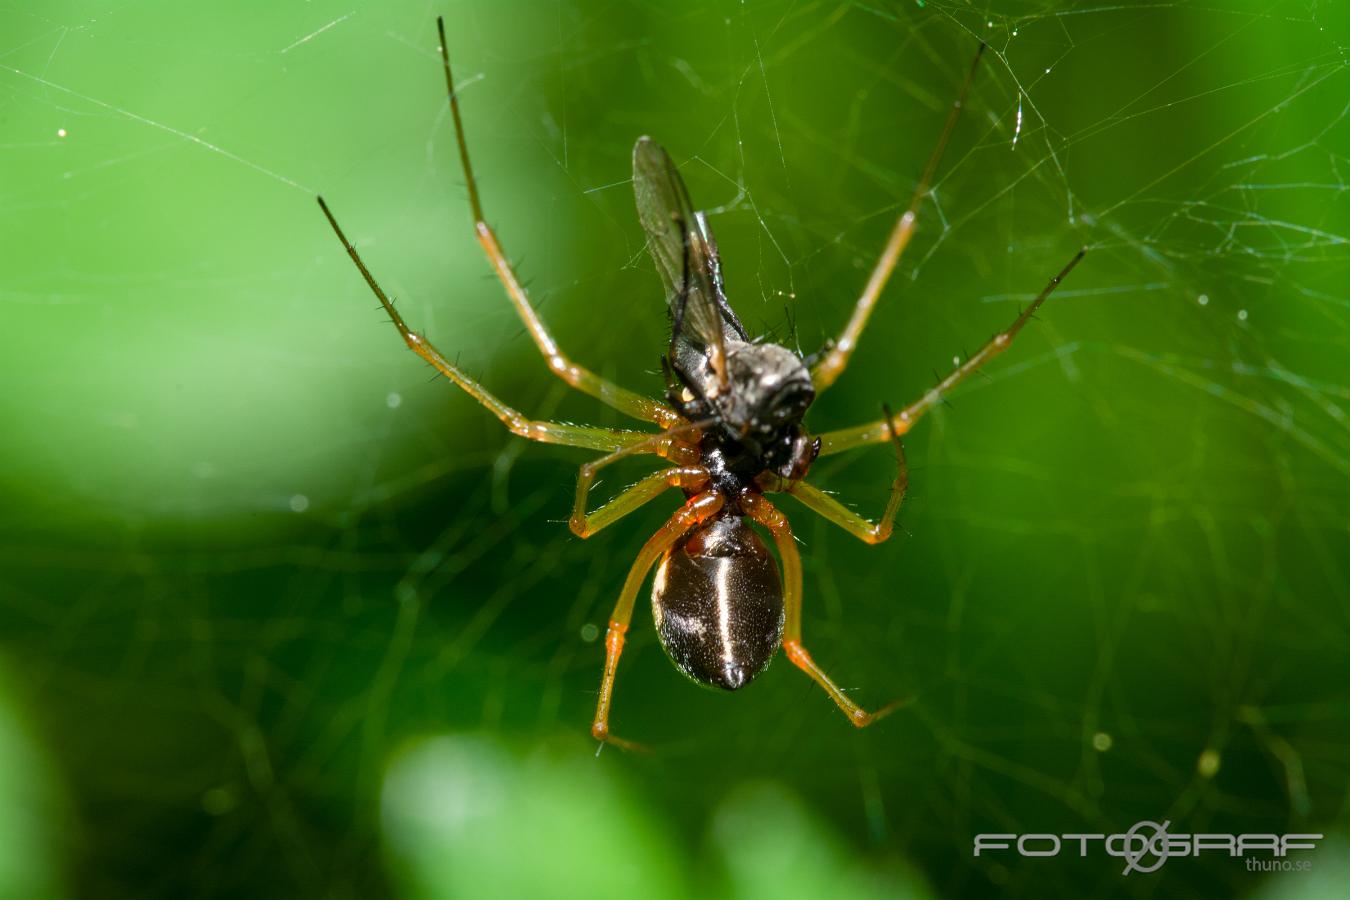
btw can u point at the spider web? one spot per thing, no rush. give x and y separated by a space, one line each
252 548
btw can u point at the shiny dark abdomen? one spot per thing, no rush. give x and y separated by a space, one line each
718 604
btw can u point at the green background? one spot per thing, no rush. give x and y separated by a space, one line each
284 616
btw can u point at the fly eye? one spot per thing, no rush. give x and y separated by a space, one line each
792 400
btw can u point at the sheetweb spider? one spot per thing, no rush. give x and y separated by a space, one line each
730 428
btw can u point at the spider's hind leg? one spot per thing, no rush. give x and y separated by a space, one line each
764 512
697 509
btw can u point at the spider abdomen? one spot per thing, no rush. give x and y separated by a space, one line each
718 604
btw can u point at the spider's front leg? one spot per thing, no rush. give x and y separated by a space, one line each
873 432
824 373
766 514
582 379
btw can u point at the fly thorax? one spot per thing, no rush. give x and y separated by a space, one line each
769 389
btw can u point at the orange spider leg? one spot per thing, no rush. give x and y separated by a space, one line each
821 503
832 366
872 432
622 399
546 432
766 514
697 509
678 444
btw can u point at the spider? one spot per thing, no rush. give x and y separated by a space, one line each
731 428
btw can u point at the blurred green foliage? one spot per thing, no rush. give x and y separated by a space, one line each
31 820
253 555
467 817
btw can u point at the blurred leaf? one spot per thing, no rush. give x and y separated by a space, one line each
466 818
772 847
29 866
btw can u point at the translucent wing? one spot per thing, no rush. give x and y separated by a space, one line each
685 253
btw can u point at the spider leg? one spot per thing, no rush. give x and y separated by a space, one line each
588 382
872 432
669 445
764 512
823 504
586 524
545 432
824 373
697 509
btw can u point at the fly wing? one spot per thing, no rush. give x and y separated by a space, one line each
685 254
